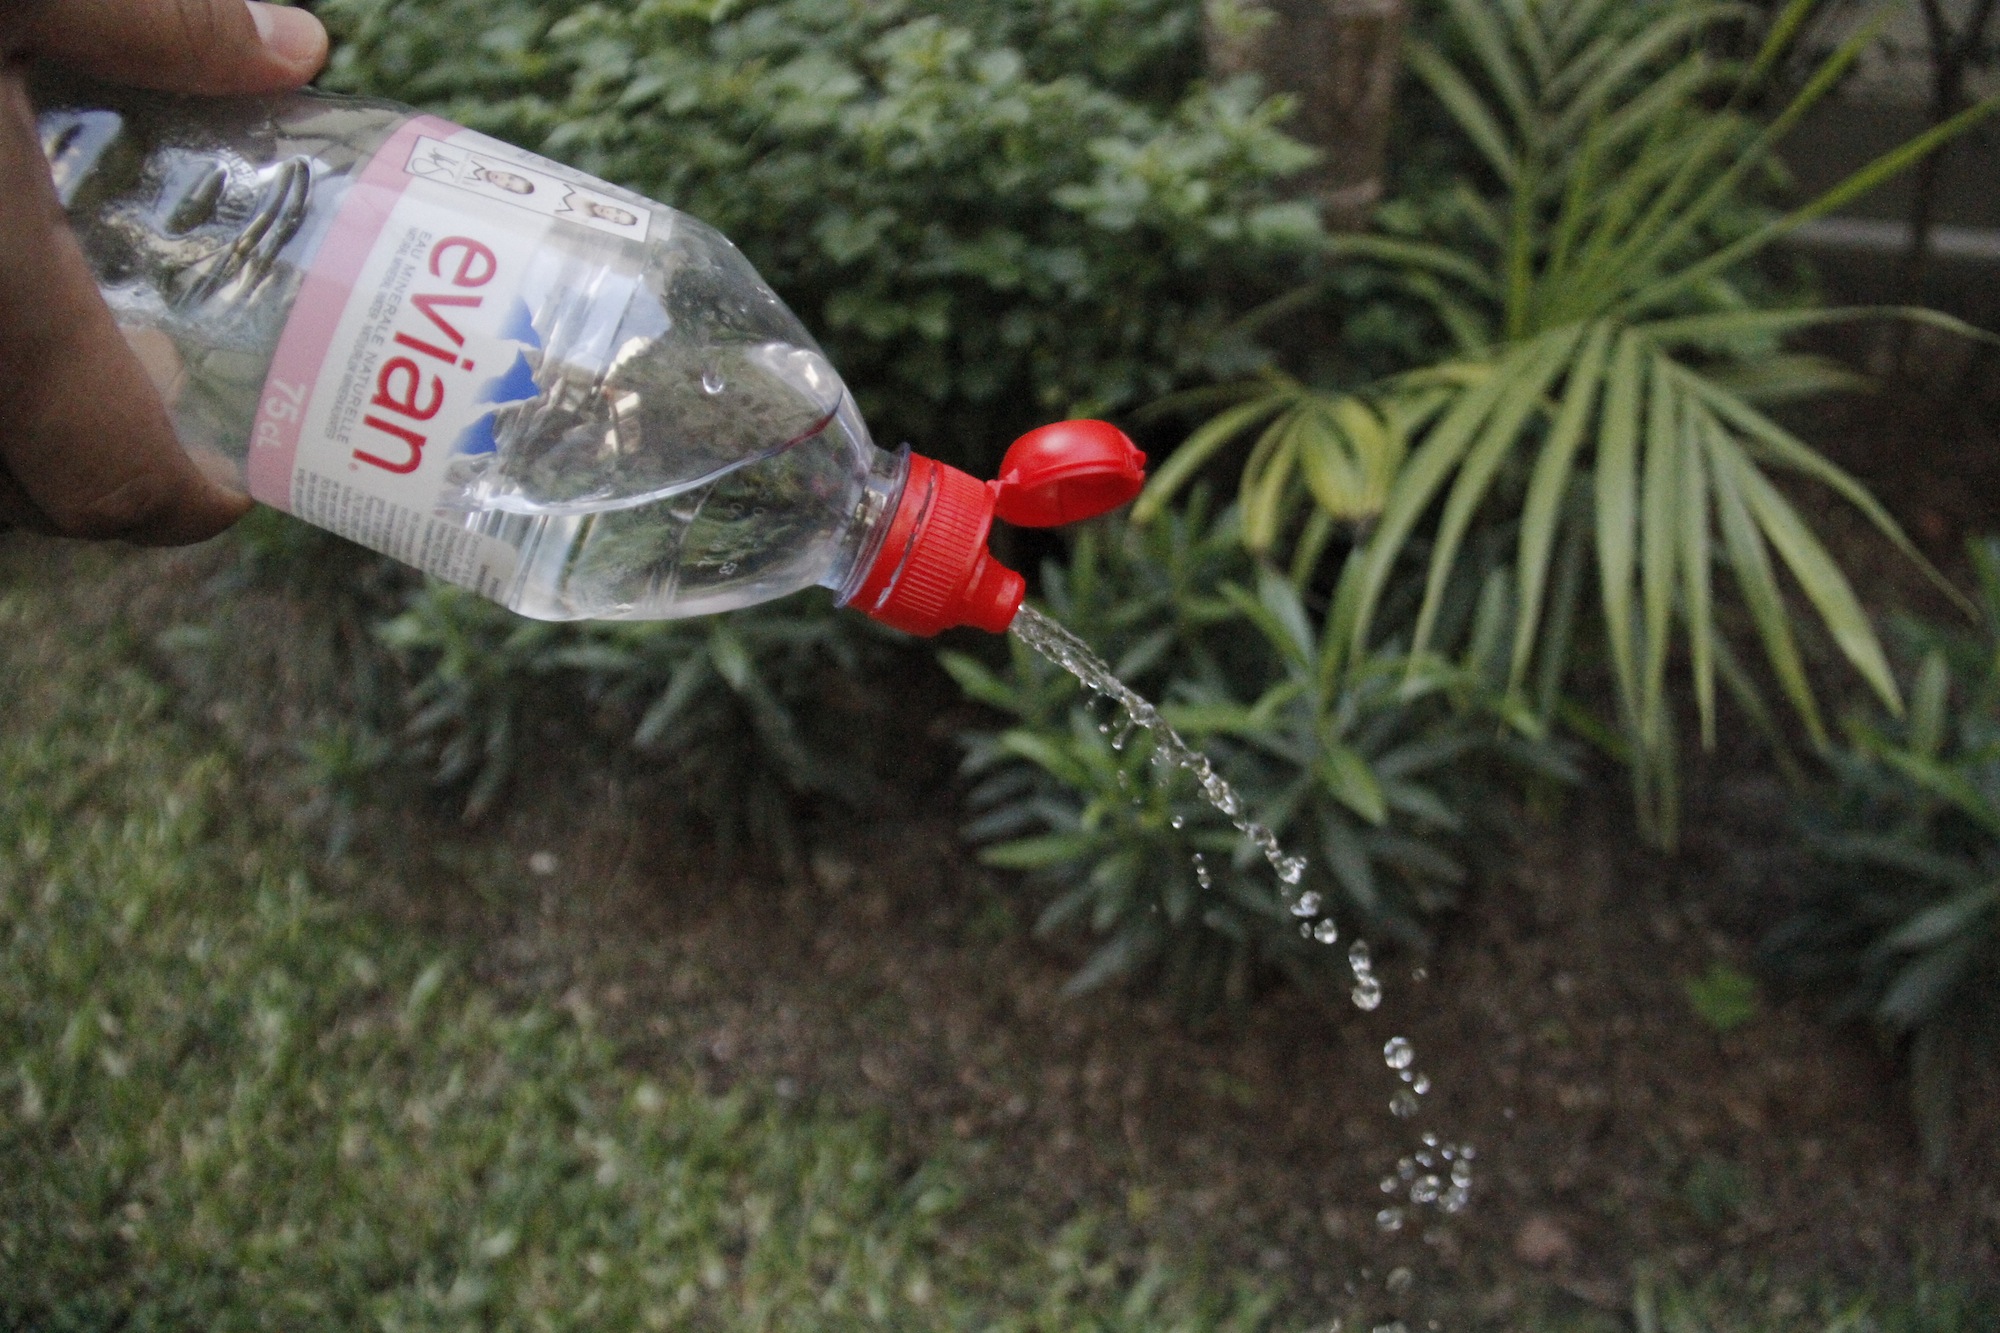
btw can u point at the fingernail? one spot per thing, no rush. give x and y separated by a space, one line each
292 35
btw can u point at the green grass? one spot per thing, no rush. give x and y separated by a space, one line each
228 1101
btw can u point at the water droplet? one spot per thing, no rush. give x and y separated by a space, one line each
1307 904
1393 1326
1389 1219
1467 1151
1431 1141
1389 1184
1070 653
1426 1190
1420 974
1178 821
1397 1053
1201 875
1461 1173
1367 994
711 381
1104 728
1407 1168
1403 1105
1305 930
1326 932
1358 956
1399 1281
1421 1084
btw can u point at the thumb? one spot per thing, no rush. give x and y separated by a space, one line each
187 46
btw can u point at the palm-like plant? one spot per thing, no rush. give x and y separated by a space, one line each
1611 370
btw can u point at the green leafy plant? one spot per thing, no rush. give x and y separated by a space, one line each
1369 773
1616 351
1907 912
730 703
992 212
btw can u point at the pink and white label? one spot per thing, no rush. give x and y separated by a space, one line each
408 336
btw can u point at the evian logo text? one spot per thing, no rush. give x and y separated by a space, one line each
409 389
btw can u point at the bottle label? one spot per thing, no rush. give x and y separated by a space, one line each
408 335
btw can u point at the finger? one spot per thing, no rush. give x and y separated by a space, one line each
188 46
82 433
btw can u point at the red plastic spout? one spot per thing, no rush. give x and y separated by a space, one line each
933 571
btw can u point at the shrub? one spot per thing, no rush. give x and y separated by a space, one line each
1615 352
1906 912
733 704
993 213
1375 776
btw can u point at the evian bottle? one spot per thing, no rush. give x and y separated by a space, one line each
578 402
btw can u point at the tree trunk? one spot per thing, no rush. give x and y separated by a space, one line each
1339 58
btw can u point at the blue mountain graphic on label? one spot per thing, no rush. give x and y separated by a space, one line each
516 385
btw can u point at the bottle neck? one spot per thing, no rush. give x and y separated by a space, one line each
881 492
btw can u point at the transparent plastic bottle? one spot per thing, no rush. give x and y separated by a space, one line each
576 401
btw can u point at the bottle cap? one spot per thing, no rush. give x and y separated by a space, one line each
933 570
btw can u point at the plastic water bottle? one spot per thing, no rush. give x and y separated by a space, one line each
518 378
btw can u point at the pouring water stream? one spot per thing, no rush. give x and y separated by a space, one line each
1439 1174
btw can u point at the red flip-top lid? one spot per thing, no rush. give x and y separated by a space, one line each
1067 472
933 570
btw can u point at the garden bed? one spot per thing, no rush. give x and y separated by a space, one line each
1619 1129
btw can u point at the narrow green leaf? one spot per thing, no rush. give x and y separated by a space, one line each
1475 20
1750 699
1466 107
1947 784
1867 179
1263 485
1617 513
1817 573
1759 586
1934 925
1331 471
1787 450
1696 577
1542 360
1565 595
1428 467
1644 50
1354 784
1312 544
1928 701
1439 259
1547 488
1778 40
1659 496
1723 188
1723 328
1197 448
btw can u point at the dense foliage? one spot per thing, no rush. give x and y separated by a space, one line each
992 213
1905 912
1605 402
1376 777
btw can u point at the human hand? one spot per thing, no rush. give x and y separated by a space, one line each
86 448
